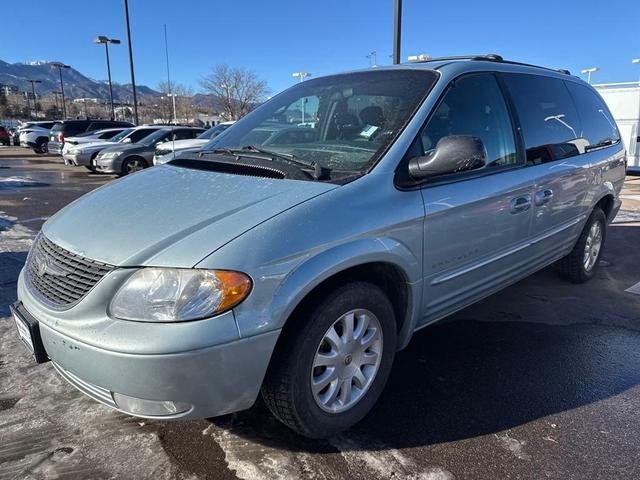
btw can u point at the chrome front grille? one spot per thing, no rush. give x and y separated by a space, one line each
61 278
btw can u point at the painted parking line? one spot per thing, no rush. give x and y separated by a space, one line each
634 289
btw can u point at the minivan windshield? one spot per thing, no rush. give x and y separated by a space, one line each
339 122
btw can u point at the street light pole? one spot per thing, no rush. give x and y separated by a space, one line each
397 30
133 77
107 41
33 91
60 66
301 76
588 72
173 97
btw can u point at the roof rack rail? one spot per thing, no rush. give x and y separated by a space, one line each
490 57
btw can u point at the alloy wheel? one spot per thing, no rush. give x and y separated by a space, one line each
346 361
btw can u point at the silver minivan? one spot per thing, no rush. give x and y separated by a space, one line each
296 269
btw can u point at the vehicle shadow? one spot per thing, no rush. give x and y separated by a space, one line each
540 347
10 265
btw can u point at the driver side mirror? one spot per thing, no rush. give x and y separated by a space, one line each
455 153
127 140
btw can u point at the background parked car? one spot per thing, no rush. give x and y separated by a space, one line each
128 158
167 151
88 137
68 128
85 154
5 138
35 135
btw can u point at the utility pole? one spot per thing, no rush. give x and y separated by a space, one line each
33 91
397 29
166 52
60 66
133 77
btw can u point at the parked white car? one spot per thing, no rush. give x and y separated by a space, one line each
167 151
35 135
97 136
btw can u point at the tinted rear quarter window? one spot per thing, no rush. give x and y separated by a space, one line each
598 126
548 117
73 128
140 134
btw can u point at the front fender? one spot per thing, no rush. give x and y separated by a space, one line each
312 270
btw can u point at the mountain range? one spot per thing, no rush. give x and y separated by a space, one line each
76 85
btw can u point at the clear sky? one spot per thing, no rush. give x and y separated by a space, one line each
278 37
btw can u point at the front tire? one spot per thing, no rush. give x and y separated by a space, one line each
332 364
133 164
580 265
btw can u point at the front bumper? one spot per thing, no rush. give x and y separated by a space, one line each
203 365
109 165
208 382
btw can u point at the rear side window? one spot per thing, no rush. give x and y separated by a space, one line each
598 126
550 123
474 106
185 134
140 134
109 134
74 128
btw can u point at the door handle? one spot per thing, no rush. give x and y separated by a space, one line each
543 196
520 204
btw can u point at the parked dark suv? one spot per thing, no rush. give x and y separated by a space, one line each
67 128
5 138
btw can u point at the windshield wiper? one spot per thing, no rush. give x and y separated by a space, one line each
318 171
604 143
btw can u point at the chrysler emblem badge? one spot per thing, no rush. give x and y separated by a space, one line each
45 266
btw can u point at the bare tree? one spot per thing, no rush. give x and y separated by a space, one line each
238 89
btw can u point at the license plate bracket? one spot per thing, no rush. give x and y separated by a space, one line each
28 331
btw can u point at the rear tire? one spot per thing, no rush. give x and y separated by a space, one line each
293 388
580 265
42 146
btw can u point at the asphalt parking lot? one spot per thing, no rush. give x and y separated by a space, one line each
541 380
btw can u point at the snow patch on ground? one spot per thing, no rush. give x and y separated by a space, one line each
13 236
513 445
378 461
625 216
17 182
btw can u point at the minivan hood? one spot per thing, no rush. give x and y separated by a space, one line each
171 216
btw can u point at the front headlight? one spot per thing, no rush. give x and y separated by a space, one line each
173 295
110 155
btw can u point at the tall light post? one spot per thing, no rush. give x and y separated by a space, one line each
301 76
33 91
60 66
106 41
173 98
397 29
637 62
588 72
133 77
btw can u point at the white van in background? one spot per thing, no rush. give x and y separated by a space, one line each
623 99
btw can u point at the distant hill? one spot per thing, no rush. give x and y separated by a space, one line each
76 85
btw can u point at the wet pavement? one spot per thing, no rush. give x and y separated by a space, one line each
541 380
